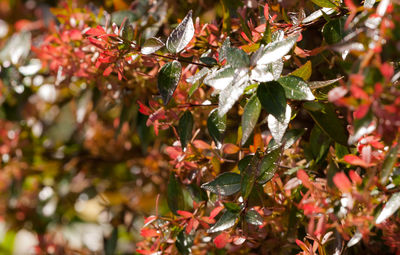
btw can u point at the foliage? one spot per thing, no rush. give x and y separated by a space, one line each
201 127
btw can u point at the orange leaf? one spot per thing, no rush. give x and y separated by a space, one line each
230 148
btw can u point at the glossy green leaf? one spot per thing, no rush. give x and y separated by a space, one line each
221 78
296 88
317 14
224 49
392 205
321 84
250 117
328 121
272 98
273 51
333 31
232 207
151 45
268 166
175 198
225 184
181 35
185 128
250 174
278 128
388 164
227 220
216 126
303 72
208 61
237 58
184 242
288 139
168 79
324 3
254 218
244 162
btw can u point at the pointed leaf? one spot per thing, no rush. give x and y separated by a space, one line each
268 166
388 164
321 84
216 126
233 91
250 174
200 74
324 3
151 45
325 117
333 31
278 128
272 98
175 198
317 14
220 79
227 220
181 35
296 88
254 218
273 51
185 128
390 208
237 58
168 79
303 71
225 184
250 117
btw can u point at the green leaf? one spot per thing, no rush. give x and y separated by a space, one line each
268 166
244 162
254 218
369 3
319 143
151 45
168 79
390 208
333 31
250 117
175 197
324 3
328 121
127 32
223 52
233 91
225 184
250 174
273 51
232 207
317 14
321 84
278 128
119 16
197 193
296 88
388 164
216 126
184 242
110 244
288 139
220 79
185 128
227 220
181 35
208 61
237 58
272 98
303 71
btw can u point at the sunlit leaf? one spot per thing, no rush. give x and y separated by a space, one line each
278 127
225 184
324 3
317 14
250 116
268 166
369 3
388 164
237 58
151 45
233 91
181 35
296 88
390 208
220 79
216 126
273 51
227 220
321 84
303 71
254 218
168 79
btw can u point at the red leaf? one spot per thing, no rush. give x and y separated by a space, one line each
107 71
303 177
230 148
387 70
342 182
355 160
216 211
97 31
361 111
143 109
185 213
149 232
149 219
302 245
199 144
355 178
221 240
266 12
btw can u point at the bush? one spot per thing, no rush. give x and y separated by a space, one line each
200 127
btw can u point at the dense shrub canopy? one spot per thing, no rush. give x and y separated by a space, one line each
199 127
